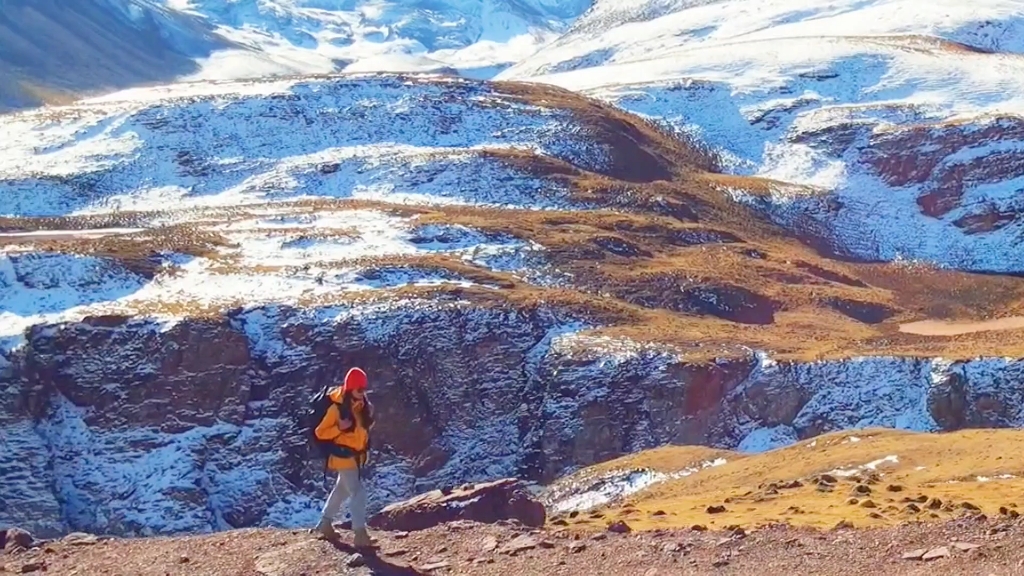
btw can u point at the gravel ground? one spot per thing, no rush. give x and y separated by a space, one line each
965 546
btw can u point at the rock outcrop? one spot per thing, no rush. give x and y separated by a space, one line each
487 503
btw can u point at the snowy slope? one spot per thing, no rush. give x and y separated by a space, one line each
815 94
476 38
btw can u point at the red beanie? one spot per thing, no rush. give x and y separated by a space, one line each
355 379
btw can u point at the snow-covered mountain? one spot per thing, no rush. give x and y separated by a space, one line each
475 38
901 119
536 278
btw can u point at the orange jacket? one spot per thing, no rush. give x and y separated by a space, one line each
356 437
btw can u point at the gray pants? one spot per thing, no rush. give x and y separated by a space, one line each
349 487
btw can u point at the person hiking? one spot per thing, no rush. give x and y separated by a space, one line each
347 424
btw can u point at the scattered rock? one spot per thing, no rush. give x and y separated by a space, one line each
672 547
80 539
577 547
934 504
965 546
716 509
843 525
914 508
971 507
876 516
598 537
862 489
894 488
1004 511
490 502
619 527
17 537
546 544
936 553
853 501
659 513
559 522
489 544
868 504
919 499
355 561
699 528
720 563
434 566
827 478
184 560
400 535
36 566
520 544
792 485
914 554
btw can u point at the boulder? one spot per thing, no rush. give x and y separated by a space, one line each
488 503
16 538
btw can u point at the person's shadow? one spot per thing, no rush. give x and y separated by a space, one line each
374 562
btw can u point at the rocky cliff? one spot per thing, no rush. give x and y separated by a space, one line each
126 426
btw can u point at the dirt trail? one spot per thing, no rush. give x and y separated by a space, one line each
966 546
943 328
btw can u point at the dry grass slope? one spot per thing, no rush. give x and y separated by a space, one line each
867 478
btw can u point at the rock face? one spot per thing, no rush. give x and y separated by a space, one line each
506 499
126 426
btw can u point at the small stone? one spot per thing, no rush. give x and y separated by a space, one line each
434 566
862 489
489 544
971 507
936 553
619 527
876 516
519 544
828 479
548 544
934 504
672 547
356 561
792 485
37 566
574 513
441 549
559 522
715 509
920 499
965 546
894 488
868 504
914 508
699 528
483 561
598 537
720 563
659 513
914 554
400 535
577 547
853 501
843 525
184 560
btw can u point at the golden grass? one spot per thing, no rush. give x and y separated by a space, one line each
758 489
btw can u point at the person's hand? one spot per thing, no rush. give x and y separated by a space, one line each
344 424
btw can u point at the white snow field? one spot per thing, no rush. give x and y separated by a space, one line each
821 94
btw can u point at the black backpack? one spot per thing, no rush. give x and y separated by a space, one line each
315 411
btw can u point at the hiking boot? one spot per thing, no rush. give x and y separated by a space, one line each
362 538
326 529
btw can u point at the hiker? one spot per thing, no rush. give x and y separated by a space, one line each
347 424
